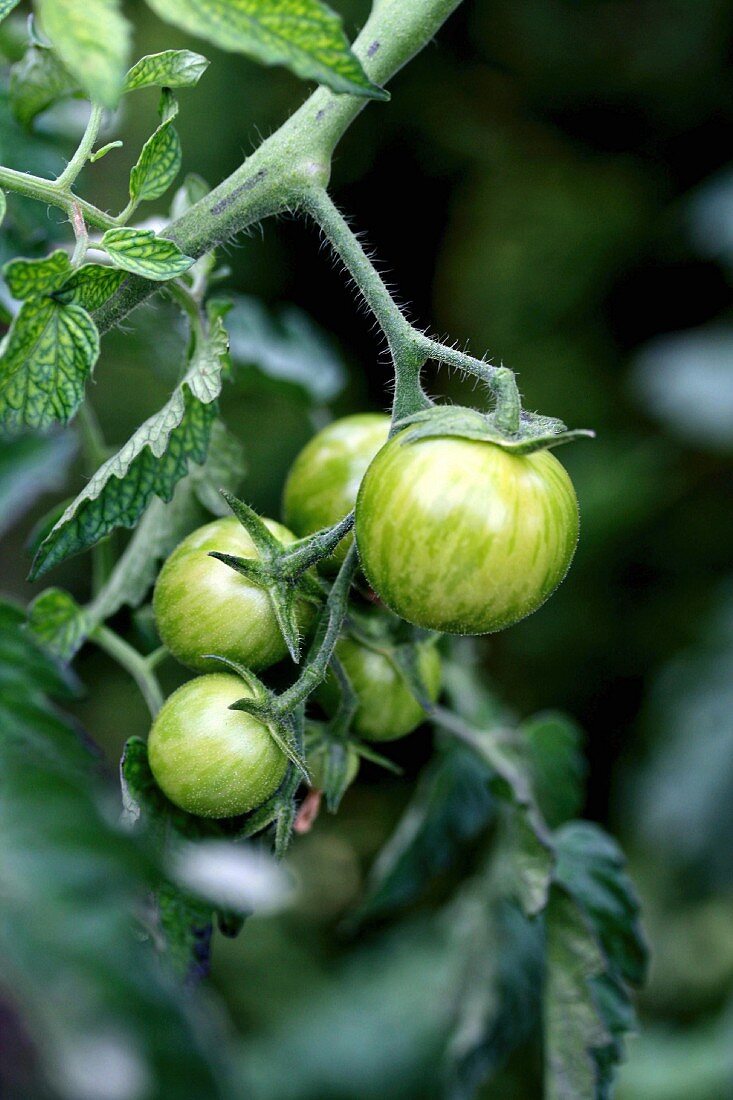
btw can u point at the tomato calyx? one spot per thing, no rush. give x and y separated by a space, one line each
282 570
534 432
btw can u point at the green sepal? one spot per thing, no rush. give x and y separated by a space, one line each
263 705
535 433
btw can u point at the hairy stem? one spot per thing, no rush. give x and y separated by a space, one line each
67 178
134 663
34 187
297 157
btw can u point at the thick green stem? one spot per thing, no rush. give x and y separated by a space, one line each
403 340
297 157
67 178
134 663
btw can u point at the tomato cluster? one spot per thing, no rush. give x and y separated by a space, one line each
453 534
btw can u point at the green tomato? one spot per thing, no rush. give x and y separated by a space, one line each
387 709
209 760
325 477
462 536
203 606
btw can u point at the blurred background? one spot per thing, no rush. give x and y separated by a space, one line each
552 183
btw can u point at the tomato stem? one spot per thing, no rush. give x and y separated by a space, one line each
134 663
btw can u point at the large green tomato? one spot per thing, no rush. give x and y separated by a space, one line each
204 606
460 535
387 708
325 477
210 760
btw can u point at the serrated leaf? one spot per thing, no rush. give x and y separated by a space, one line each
6 6
65 865
305 35
150 464
164 525
90 285
38 81
92 38
31 278
142 253
169 69
58 623
158 164
47 357
451 804
595 950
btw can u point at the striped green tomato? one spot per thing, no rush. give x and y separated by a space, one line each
203 606
209 760
464 537
325 477
387 709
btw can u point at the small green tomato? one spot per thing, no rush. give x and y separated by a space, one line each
461 536
209 760
387 708
325 477
203 606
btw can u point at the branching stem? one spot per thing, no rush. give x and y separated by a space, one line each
133 662
68 177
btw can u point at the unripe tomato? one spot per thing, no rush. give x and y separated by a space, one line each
324 479
204 606
316 760
461 536
387 708
210 760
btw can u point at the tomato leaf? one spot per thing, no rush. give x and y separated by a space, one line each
452 803
305 35
92 39
142 253
557 766
595 951
160 159
47 357
90 285
38 81
169 69
58 624
30 278
150 464
6 6
64 854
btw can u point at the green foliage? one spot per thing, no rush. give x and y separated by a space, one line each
92 39
66 866
140 251
557 766
6 6
160 160
595 950
305 35
47 358
57 623
37 82
169 69
451 805
29 278
89 286
150 464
